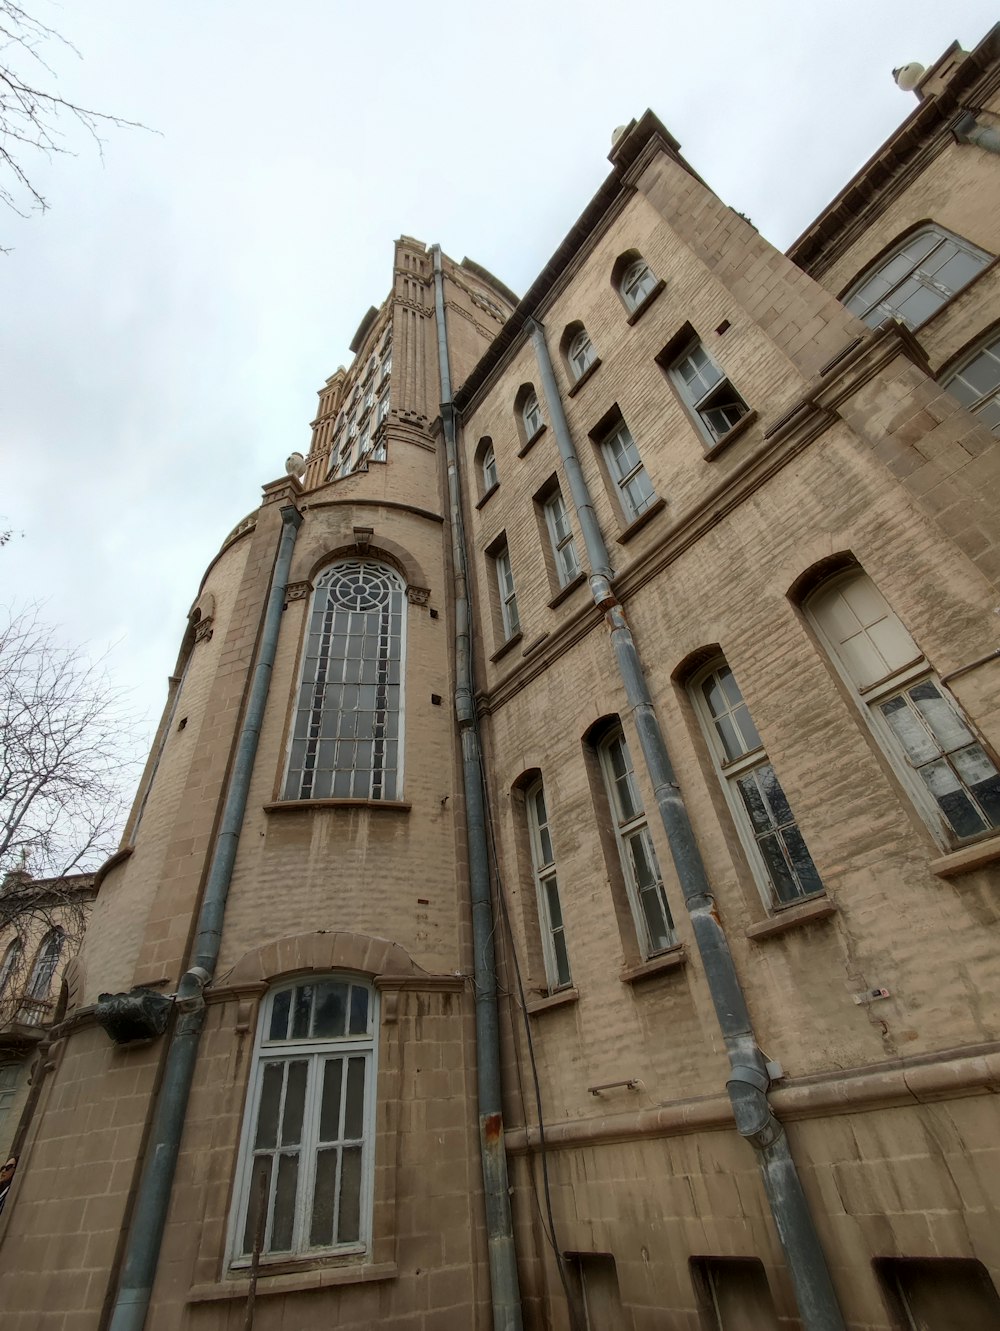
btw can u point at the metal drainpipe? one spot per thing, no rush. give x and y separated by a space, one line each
142 1247
504 1286
967 129
748 1078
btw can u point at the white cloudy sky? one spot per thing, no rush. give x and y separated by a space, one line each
166 324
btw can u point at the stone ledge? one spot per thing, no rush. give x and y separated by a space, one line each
561 998
310 1278
563 592
512 641
588 373
637 314
637 524
967 859
672 960
731 435
792 917
306 806
488 494
530 443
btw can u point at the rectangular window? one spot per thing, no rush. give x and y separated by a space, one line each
561 536
775 847
940 1293
508 596
307 1159
557 971
635 490
712 399
383 408
643 881
953 780
733 1294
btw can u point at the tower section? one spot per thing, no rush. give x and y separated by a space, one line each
327 1164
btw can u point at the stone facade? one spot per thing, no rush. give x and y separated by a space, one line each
870 981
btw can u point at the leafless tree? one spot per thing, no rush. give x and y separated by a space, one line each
68 753
33 118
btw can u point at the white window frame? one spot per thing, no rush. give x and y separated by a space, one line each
732 769
631 825
581 354
315 1052
531 415
309 744
508 593
552 925
383 408
897 682
637 284
561 536
386 365
984 404
706 384
929 249
626 476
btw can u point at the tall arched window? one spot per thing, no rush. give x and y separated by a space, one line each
306 1168
10 959
916 278
347 742
45 964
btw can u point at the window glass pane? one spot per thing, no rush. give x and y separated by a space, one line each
753 800
945 724
918 307
784 885
563 975
355 1099
904 722
329 1112
961 268
324 1196
278 1029
359 1008
638 490
806 876
659 926
552 903
349 1217
982 778
953 801
272 1081
301 1011
295 1097
257 1204
283 1218
331 1009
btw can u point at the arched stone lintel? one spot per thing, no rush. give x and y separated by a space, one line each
323 952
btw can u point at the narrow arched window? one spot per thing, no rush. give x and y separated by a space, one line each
45 964
976 383
915 279
306 1169
347 741
489 463
637 284
11 957
581 354
531 414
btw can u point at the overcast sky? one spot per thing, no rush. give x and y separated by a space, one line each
166 324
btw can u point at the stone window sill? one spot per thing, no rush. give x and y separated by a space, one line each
489 494
561 998
502 651
588 373
792 917
657 506
563 592
730 436
673 960
967 859
305 806
321 1277
637 314
530 443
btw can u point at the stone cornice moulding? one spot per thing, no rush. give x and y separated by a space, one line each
950 1074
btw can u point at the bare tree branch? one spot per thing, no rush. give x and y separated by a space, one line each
32 118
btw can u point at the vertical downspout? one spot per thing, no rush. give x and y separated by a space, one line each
499 1224
748 1078
142 1247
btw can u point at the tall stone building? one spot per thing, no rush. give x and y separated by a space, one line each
562 891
